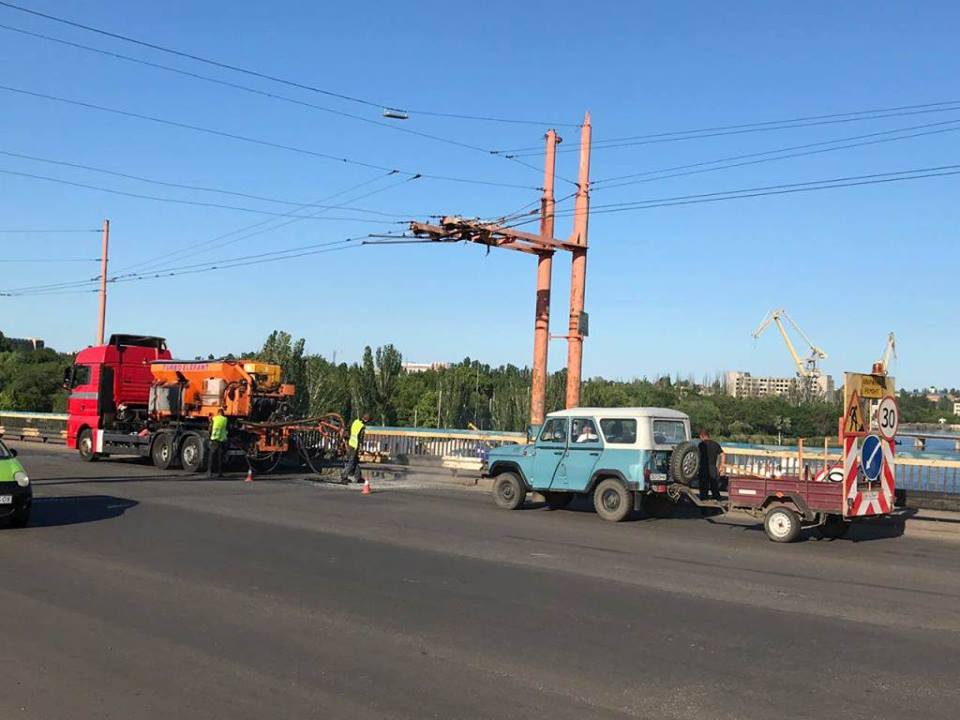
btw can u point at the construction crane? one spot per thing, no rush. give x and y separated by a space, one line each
881 366
806 368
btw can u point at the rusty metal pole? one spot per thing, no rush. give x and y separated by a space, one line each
103 282
541 322
578 274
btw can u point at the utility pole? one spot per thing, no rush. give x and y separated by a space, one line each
578 272
541 323
103 282
456 228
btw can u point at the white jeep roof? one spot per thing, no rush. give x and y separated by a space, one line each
622 412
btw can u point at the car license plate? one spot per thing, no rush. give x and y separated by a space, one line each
658 477
6 499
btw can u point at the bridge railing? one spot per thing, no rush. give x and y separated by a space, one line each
936 475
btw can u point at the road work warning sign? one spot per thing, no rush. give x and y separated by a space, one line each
860 393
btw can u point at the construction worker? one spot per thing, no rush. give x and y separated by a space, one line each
351 471
218 439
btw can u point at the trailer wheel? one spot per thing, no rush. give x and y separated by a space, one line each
191 453
557 500
781 524
611 500
164 453
833 527
508 492
85 446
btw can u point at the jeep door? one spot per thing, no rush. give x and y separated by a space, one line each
549 450
583 452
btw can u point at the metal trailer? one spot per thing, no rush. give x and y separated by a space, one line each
786 505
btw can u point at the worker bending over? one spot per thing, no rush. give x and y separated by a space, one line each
218 438
351 470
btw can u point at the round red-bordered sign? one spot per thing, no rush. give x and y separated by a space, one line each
888 417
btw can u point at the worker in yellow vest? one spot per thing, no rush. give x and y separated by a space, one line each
351 471
218 439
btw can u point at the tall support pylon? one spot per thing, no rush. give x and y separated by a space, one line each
578 273
102 323
541 323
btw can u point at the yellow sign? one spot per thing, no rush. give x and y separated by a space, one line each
860 395
873 386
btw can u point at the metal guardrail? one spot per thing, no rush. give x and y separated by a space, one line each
463 449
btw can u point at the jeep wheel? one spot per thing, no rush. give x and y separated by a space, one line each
611 500
508 492
557 500
685 462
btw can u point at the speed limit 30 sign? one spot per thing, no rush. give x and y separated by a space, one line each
888 417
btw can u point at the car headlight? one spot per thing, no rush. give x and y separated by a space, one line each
22 478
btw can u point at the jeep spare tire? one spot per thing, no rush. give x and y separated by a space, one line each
685 462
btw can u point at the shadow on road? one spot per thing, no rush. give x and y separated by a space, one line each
74 480
73 510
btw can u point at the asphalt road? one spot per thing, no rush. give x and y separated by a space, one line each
138 596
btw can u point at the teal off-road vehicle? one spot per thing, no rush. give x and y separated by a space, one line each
626 458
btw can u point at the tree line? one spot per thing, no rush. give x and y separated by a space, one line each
473 393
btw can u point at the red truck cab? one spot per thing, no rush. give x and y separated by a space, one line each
110 387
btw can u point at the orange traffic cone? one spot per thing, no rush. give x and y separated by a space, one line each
367 490
249 477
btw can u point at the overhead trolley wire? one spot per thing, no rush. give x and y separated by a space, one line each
768 126
265 76
246 88
781 189
211 245
32 230
255 141
197 203
779 153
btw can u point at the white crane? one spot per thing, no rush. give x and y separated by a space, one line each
881 366
806 368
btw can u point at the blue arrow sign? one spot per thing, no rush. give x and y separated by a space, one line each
871 457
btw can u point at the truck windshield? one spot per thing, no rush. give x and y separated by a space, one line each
81 375
669 432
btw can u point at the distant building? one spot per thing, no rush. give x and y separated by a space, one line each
411 367
743 384
30 343
956 407
934 398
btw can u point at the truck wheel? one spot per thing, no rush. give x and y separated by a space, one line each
685 462
557 500
834 526
611 500
164 453
85 446
191 453
781 524
508 492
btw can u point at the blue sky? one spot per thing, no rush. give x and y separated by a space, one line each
670 290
